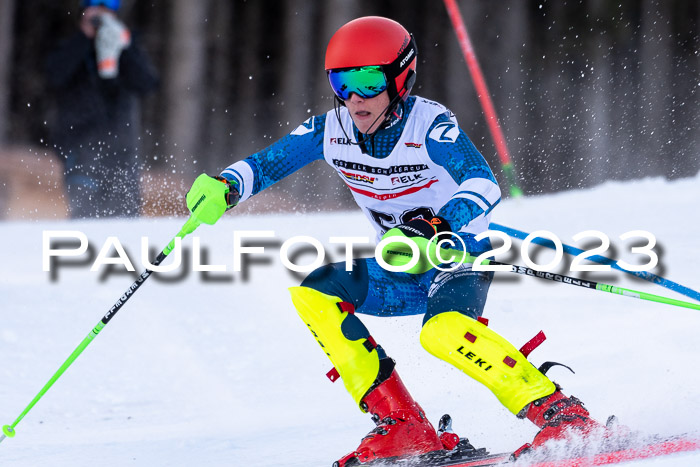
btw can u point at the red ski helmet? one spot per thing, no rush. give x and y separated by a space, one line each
375 41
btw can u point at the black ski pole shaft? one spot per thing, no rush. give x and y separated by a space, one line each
400 255
586 284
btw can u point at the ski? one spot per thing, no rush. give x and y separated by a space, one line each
481 458
657 449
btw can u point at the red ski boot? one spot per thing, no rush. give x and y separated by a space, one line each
559 417
402 427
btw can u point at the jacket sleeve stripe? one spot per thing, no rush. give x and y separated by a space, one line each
473 197
486 191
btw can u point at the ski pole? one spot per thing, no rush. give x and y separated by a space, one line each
190 225
484 96
570 250
592 285
398 254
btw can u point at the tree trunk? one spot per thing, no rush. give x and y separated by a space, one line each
655 97
597 96
296 87
512 106
219 134
185 80
330 192
7 16
248 81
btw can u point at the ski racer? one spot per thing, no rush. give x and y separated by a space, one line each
415 174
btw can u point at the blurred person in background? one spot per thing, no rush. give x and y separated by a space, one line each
98 77
418 178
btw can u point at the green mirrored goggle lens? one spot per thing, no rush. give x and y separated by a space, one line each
366 82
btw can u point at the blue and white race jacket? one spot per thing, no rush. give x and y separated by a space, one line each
421 164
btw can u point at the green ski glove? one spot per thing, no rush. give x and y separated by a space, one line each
419 232
210 197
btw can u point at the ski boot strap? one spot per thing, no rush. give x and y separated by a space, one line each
520 451
448 438
552 415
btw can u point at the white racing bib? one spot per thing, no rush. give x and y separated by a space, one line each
406 184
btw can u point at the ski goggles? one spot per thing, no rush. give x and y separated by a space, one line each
366 81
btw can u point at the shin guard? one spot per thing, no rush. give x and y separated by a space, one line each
342 336
487 357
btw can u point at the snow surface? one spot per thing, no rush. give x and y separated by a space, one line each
202 372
